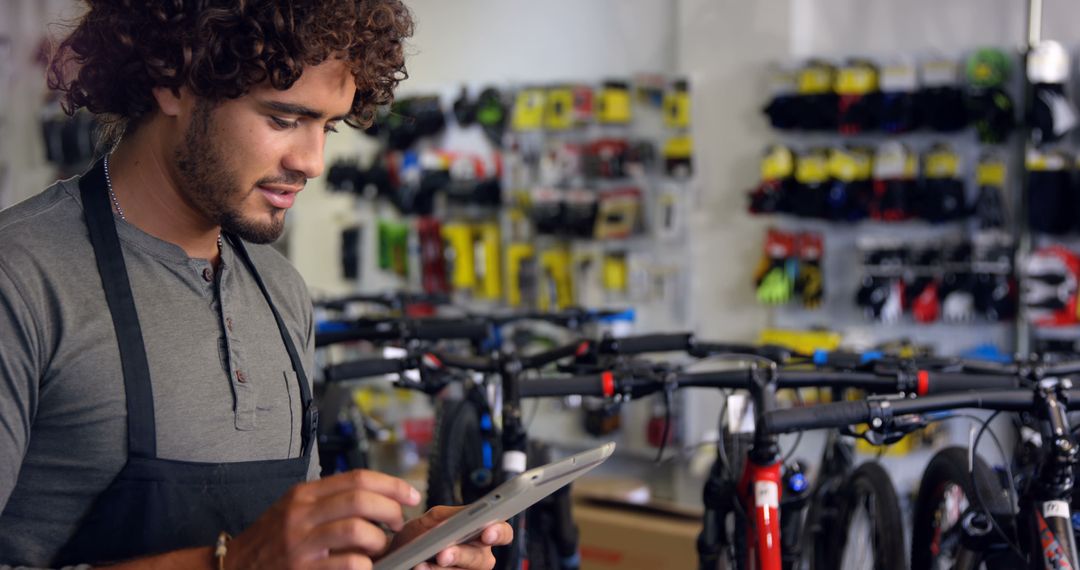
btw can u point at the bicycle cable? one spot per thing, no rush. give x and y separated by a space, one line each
978 497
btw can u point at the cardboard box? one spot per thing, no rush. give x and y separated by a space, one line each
633 538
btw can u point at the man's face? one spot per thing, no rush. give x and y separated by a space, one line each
242 161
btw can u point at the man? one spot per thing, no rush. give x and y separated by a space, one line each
155 402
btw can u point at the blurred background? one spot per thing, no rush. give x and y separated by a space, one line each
822 173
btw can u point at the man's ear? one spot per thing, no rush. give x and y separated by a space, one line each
171 101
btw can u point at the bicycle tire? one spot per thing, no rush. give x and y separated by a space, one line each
870 489
455 455
949 467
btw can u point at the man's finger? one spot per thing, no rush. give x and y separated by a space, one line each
497 535
343 562
465 556
373 481
358 503
350 535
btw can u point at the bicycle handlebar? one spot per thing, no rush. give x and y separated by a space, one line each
363 368
405 329
847 413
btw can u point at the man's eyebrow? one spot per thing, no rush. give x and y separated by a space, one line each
299 110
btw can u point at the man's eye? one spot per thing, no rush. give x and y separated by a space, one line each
330 128
283 124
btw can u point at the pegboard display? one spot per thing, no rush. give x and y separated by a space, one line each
533 197
906 170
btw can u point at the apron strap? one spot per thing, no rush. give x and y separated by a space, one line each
311 415
142 437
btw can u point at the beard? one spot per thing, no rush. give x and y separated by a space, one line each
211 187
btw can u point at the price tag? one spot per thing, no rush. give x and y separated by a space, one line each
1056 509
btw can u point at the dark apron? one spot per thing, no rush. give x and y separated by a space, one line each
157 505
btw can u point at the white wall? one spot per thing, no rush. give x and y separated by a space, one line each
500 42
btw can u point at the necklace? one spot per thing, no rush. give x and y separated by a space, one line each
116 203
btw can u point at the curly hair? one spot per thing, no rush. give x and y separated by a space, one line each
219 49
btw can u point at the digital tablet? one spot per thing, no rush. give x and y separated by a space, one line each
504 502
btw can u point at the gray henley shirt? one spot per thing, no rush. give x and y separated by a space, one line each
223 386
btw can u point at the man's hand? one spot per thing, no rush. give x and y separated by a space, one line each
330 523
472 556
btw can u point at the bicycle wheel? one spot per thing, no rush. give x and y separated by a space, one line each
870 531
458 471
944 495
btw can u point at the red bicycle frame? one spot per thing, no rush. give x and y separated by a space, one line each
759 492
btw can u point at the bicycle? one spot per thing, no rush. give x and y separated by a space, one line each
1042 522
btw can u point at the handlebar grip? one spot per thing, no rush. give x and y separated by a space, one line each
363 368
351 334
931 383
591 385
453 329
647 343
475 363
816 417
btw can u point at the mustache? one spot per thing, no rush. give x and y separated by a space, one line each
288 179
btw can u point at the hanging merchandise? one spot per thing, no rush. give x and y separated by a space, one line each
900 111
606 158
1050 286
1051 197
784 108
811 190
941 98
618 213
677 152
583 110
613 105
858 97
773 194
411 119
559 110
579 213
957 284
1052 115
777 270
677 105
394 247
487 242
491 114
555 284
941 198
995 286
881 293
818 102
850 190
528 113
669 215
921 284
546 207
432 256
989 203
351 246
896 172
464 108
991 107
615 273
808 284
520 274
460 255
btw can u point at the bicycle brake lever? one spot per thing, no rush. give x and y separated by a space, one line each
890 432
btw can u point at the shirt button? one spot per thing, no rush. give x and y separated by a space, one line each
228 323
240 376
208 274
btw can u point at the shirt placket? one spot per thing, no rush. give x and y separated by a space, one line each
243 389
